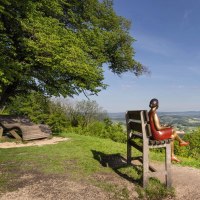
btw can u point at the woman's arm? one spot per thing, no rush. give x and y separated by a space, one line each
157 123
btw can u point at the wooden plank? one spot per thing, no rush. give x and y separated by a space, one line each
29 134
134 144
148 130
15 135
168 165
157 146
129 153
145 116
1 132
33 137
137 135
135 126
129 135
145 155
134 114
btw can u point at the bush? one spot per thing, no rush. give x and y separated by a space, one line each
105 129
193 150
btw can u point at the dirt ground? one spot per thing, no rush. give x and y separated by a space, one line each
41 142
35 186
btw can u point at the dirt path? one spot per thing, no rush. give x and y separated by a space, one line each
39 187
41 142
185 180
35 186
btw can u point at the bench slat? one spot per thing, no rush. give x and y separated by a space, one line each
134 144
136 135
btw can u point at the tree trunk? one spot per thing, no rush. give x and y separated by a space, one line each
6 93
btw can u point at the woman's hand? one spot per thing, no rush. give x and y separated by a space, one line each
167 125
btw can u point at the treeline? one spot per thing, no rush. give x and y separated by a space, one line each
81 117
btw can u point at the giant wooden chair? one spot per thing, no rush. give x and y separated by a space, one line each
137 123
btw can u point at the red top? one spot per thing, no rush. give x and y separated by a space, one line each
159 134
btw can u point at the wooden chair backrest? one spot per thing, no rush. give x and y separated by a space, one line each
138 121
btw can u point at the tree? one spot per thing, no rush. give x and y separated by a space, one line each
58 47
88 112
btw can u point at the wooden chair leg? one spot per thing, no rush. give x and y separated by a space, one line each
145 165
168 165
15 135
129 153
1 132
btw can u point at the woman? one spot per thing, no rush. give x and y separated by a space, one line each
163 132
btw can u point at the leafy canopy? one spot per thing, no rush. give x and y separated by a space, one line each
58 47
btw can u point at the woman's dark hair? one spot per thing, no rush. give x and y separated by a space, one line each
153 103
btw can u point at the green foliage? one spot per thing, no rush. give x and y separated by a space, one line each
102 129
193 150
40 110
58 47
59 116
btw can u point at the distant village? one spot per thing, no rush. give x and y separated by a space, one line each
186 121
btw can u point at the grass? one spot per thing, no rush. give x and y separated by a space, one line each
155 190
76 157
82 157
190 162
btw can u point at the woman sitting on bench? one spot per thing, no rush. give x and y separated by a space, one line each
163 132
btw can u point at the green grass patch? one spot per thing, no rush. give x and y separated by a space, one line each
190 162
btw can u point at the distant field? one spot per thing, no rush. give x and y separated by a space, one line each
186 121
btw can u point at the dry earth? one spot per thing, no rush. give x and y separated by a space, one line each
36 186
41 142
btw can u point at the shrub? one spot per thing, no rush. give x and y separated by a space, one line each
105 129
193 150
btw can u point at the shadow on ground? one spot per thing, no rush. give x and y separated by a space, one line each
118 164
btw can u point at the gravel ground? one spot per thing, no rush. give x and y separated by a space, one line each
185 180
38 187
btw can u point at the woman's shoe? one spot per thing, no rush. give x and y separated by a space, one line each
174 158
181 144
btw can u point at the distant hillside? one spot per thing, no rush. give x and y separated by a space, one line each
186 121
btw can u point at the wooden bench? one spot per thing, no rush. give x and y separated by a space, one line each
21 128
137 123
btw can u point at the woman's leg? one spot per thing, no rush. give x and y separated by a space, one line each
181 142
173 157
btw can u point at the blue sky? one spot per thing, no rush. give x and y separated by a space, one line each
167 37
